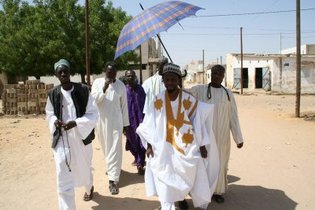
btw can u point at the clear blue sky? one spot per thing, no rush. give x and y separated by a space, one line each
220 35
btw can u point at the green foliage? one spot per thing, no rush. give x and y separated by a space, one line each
33 37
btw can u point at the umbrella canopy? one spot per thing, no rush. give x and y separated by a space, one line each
151 22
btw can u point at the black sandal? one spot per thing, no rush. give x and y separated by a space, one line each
87 197
141 170
113 187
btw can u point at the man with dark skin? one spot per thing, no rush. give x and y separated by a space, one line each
136 98
111 99
171 110
225 120
71 115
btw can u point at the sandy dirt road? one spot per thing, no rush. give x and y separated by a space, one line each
274 170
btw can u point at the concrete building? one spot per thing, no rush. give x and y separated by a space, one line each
196 73
306 49
270 72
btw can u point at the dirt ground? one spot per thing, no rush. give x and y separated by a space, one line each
274 170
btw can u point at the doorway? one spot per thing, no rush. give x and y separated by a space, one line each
258 77
245 77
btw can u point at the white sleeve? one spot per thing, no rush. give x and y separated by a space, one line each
50 116
146 129
124 106
234 121
97 91
87 122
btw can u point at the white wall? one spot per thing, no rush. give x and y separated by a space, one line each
283 71
251 63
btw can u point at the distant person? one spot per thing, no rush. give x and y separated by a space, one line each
154 84
111 99
136 98
225 120
71 114
175 134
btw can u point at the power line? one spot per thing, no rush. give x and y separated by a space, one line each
231 34
252 13
237 27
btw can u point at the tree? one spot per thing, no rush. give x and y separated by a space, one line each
33 37
106 23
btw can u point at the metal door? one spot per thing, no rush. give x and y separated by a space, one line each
236 78
266 79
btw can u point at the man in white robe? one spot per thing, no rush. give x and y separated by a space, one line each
153 85
111 99
175 135
71 114
225 120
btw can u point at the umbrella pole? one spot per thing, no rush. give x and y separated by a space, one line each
158 36
168 55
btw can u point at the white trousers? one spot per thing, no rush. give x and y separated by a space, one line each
167 206
65 179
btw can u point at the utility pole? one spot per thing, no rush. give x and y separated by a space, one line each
241 37
203 66
280 43
298 60
87 46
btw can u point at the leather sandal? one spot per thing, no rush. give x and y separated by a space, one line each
87 197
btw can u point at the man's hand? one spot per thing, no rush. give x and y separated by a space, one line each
149 151
58 123
69 125
240 145
107 82
203 152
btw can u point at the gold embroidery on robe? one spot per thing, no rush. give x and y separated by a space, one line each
175 124
187 138
187 103
158 103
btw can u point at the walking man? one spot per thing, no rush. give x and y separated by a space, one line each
225 120
174 133
71 114
136 98
111 99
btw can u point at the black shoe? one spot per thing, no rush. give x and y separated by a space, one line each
183 205
218 198
141 170
89 197
113 187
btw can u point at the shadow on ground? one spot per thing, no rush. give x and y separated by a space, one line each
241 197
111 203
127 178
232 179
